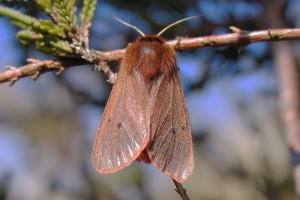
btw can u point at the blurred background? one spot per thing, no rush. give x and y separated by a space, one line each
48 127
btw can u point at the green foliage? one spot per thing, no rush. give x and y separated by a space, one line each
28 36
51 37
17 18
45 43
44 5
47 26
88 10
65 14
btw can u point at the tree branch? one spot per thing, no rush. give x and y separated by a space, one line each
34 69
240 38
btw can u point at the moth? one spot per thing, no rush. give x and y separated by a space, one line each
146 118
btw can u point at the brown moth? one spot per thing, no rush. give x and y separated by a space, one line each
146 118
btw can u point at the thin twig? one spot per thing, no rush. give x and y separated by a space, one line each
242 39
107 71
180 190
36 67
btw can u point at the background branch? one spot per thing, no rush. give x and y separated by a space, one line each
287 73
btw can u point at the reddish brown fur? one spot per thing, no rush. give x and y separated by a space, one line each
151 56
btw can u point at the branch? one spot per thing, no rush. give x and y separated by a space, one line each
242 38
239 38
35 68
181 191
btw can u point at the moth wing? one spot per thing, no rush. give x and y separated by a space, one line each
124 129
170 148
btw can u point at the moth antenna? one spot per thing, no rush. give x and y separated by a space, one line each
182 20
138 30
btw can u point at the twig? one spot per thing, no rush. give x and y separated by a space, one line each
242 38
36 67
107 71
180 190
